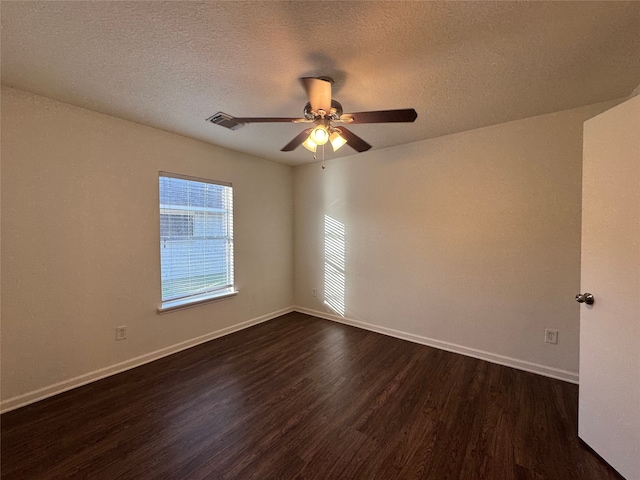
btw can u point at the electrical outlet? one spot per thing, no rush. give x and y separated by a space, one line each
314 292
121 332
551 336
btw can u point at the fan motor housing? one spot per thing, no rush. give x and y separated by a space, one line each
336 112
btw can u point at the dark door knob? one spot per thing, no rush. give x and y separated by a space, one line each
585 298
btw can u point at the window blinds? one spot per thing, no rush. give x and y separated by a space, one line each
196 236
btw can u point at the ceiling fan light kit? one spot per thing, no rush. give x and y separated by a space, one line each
321 110
319 135
310 145
336 140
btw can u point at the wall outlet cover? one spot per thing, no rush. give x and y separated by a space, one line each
551 336
121 332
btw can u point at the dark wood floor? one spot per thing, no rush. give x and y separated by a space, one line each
304 398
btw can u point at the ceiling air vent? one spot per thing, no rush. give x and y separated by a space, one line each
225 120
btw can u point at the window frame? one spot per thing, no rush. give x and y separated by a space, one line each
195 299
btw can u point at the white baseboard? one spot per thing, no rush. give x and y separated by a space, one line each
51 390
60 387
551 372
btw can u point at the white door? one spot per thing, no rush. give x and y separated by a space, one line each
609 406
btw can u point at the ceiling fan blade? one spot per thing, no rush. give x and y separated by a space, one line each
297 141
381 116
353 140
269 119
234 123
319 93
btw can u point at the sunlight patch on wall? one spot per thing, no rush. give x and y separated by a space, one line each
334 265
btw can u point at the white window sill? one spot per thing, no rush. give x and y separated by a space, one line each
183 303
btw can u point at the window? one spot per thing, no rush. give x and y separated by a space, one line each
175 225
196 240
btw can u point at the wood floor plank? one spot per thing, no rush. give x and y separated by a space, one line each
304 398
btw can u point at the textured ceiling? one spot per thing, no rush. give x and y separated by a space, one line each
461 65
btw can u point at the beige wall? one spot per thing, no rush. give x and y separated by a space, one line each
470 242
80 246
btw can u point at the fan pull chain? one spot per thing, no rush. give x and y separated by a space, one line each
323 157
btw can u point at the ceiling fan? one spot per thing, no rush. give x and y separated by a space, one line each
323 112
